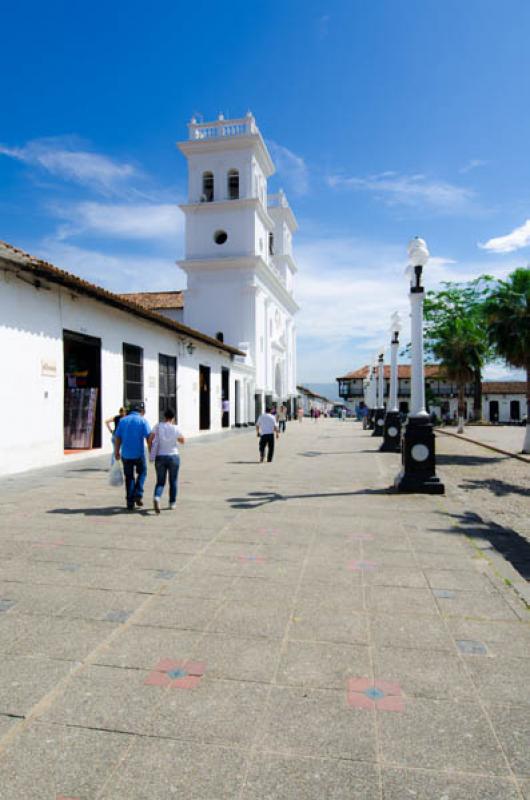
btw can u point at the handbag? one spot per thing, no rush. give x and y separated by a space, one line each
116 474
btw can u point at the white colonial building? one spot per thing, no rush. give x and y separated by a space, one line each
238 258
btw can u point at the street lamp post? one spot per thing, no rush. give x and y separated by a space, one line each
418 462
379 415
372 394
392 432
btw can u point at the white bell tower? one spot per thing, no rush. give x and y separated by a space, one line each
239 261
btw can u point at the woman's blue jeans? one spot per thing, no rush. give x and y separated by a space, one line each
167 466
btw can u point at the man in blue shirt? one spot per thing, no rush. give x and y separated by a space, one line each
130 436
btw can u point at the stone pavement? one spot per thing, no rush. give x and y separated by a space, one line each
292 631
507 437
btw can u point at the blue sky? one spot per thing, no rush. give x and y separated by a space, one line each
386 119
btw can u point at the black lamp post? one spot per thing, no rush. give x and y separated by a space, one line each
418 463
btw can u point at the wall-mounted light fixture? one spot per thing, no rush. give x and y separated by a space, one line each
190 348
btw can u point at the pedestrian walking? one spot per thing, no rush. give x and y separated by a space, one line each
300 414
129 445
163 450
267 430
282 418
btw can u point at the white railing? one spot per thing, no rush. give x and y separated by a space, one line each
222 128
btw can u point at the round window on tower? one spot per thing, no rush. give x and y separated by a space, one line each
220 237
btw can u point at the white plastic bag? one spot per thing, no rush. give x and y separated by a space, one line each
116 474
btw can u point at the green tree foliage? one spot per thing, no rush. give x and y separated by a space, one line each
454 318
507 314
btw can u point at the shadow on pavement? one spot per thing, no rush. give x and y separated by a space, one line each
467 461
109 511
510 544
314 453
499 488
258 499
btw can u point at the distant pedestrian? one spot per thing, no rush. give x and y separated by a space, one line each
365 413
112 426
129 445
225 415
316 414
343 415
267 430
163 450
282 418
300 414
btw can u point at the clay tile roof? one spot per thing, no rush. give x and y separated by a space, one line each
155 300
504 387
42 270
431 371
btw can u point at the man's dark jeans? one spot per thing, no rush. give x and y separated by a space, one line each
266 440
167 465
134 484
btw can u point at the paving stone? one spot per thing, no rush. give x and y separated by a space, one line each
140 647
328 621
502 679
429 674
216 712
512 726
273 776
47 761
24 681
470 647
203 585
245 619
480 605
158 769
55 637
401 784
186 613
390 575
408 630
501 638
400 600
317 722
321 665
441 735
6 723
238 658
108 698
463 580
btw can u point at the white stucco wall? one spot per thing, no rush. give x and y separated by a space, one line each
504 401
32 397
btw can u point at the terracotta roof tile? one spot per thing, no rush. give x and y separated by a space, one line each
155 300
504 387
431 371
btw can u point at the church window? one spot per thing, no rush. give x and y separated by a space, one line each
271 244
220 237
233 184
207 187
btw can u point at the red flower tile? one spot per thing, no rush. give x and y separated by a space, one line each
362 566
176 674
367 694
251 559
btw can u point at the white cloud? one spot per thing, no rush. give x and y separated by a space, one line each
409 190
163 221
518 238
290 167
61 158
472 164
501 372
119 272
348 288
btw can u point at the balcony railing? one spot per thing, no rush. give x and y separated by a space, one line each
222 128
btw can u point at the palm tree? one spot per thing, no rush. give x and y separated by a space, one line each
507 311
460 347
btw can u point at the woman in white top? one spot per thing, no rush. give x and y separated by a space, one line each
164 452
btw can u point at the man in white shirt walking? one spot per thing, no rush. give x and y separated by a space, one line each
266 429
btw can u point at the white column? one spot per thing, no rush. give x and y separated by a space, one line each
381 383
393 399
417 383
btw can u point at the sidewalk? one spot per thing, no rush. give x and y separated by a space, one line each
292 631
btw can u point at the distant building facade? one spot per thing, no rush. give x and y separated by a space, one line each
502 401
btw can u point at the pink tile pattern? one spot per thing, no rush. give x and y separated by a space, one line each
367 694
251 559
361 566
176 674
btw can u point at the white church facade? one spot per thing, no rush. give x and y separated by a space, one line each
217 352
238 256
